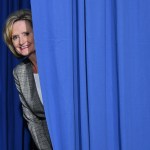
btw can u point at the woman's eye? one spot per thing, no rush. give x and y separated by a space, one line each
14 37
26 33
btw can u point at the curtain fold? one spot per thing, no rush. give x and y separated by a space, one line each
93 59
13 132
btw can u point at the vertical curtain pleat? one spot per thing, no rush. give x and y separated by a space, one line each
93 59
13 132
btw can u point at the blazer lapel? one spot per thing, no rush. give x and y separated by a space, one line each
33 97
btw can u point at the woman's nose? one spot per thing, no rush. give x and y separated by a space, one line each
22 40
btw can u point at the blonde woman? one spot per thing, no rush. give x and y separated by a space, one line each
18 36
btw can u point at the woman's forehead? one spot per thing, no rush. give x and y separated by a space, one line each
21 25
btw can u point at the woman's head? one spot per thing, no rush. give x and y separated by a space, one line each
18 33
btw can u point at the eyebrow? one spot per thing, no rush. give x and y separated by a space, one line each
14 35
22 33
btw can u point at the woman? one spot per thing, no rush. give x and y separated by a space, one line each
18 35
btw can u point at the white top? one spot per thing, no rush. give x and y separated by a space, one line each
38 86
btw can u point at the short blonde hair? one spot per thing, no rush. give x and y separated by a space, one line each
23 14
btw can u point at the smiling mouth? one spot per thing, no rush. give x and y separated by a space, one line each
24 47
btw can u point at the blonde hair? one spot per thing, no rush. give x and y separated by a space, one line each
7 30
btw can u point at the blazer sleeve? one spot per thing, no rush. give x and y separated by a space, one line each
37 126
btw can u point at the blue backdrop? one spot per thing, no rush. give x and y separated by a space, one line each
94 66
13 132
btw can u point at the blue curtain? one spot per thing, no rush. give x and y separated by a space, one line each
13 132
94 67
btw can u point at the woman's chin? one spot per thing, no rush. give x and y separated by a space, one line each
25 52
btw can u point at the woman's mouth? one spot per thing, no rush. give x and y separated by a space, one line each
24 47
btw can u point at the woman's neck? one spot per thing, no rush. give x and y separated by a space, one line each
32 58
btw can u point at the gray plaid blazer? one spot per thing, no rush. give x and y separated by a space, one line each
33 110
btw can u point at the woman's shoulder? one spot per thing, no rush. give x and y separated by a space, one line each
21 66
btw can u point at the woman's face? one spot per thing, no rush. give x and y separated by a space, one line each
22 37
